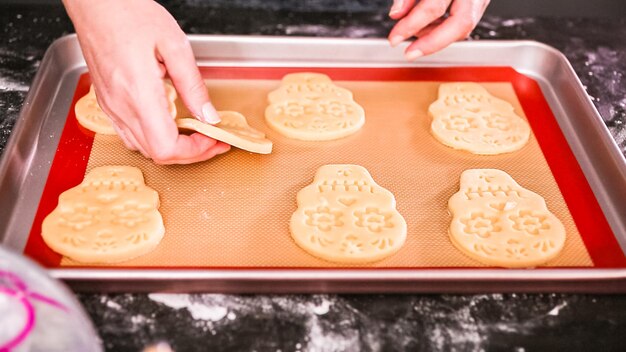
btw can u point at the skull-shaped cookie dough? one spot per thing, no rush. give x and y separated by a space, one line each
315 120
498 222
110 217
305 77
345 217
233 130
467 117
90 115
308 86
308 106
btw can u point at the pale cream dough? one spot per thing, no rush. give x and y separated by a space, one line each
498 222
112 216
467 117
233 130
345 217
308 106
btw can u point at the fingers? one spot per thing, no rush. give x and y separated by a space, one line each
400 8
424 13
216 149
180 62
127 142
464 15
157 132
190 149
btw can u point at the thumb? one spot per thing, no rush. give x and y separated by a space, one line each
181 66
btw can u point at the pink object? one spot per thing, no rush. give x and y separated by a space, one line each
16 288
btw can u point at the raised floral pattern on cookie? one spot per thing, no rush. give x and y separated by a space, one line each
111 216
345 217
498 222
308 106
467 117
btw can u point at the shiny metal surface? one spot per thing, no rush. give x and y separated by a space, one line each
26 163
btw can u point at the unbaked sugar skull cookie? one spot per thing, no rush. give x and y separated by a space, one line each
310 107
112 216
345 217
467 117
498 222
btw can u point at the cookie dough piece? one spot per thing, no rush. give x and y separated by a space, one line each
110 217
467 117
310 107
90 115
309 91
315 120
345 217
308 85
233 130
498 222
305 77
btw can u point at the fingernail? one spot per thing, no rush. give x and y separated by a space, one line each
413 54
163 347
209 114
396 7
227 148
396 40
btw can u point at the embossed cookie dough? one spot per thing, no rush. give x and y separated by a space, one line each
498 222
467 117
305 77
110 217
345 217
308 106
307 85
233 130
315 120
90 115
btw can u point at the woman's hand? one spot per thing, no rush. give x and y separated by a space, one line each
428 23
130 46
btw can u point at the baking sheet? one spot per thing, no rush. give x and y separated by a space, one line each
234 210
380 166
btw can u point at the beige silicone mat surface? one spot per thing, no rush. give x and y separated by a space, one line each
234 210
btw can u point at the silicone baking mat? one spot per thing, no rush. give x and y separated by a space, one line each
233 211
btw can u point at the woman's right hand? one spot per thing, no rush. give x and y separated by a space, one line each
130 47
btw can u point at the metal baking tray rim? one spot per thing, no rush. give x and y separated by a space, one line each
229 55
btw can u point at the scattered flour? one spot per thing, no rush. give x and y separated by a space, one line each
323 308
11 85
201 311
321 339
555 311
201 307
171 300
113 305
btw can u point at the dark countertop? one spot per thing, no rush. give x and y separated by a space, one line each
513 322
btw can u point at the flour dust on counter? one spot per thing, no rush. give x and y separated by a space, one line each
328 323
24 36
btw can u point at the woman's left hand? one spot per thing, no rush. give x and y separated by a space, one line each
428 23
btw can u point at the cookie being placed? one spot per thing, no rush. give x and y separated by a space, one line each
467 117
233 130
308 106
92 117
498 222
112 216
345 217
